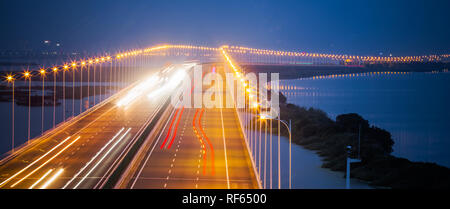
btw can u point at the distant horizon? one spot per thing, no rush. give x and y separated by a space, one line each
62 51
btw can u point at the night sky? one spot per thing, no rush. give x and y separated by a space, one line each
400 27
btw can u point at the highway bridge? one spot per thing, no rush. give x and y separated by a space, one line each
137 137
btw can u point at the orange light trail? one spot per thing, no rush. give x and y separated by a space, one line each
201 142
176 128
170 129
207 140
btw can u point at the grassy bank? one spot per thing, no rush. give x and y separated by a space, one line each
314 130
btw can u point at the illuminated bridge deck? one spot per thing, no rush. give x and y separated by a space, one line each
86 147
214 132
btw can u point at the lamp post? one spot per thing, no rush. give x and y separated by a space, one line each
89 83
64 91
10 78
95 85
288 126
259 147
100 78
117 70
270 167
42 72
110 75
55 70
265 152
83 63
27 76
255 106
349 161
74 65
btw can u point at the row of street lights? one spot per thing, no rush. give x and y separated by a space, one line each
82 65
336 57
121 67
252 106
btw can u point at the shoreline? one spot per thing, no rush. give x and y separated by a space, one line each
328 139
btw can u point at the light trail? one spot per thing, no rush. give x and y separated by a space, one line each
176 129
150 153
201 142
125 150
34 162
92 159
46 162
170 128
156 93
172 82
208 141
249 143
40 179
52 179
137 91
101 159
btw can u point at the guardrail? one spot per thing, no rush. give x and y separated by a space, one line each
241 127
116 177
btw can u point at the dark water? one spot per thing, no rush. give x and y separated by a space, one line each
413 107
21 120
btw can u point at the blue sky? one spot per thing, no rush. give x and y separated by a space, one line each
363 27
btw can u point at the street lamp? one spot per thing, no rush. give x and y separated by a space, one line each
117 72
10 79
42 72
100 79
349 161
263 118
27 76
89 82
110 75
74 67
288 126
55 70
83 64
95 85
65 67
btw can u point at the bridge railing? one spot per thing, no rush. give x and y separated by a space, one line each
266 56
252 114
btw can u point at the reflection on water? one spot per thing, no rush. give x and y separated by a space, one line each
21 120
412 106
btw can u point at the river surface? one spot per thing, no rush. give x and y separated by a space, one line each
413 107
36 122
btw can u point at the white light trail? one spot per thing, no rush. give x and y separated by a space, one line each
40 179
93 158
43 164
137 91
52 179
172 82
103 157
34 162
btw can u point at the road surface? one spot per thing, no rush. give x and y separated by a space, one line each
82 152
193 148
